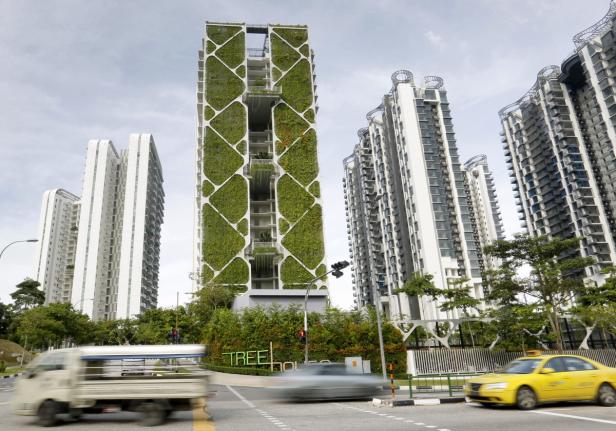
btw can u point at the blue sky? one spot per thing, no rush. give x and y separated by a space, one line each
76 70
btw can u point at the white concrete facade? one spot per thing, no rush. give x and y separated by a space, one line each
484 204
410 176
51 262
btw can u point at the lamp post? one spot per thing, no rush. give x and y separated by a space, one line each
375 294
337 272
15 242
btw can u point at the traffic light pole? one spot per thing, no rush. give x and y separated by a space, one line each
336 270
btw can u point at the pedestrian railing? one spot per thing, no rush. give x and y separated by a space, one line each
435 383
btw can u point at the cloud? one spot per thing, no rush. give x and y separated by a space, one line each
435 40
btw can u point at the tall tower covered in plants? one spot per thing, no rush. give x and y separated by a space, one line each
258 212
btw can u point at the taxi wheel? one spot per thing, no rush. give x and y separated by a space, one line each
526 398
47 413
607 395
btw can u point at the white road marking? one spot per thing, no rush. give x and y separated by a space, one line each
410 421
582 418
272 419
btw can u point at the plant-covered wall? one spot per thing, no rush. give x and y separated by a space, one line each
298 192
225 190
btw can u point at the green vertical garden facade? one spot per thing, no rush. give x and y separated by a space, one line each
259 202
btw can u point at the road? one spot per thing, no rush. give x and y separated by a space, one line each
239 408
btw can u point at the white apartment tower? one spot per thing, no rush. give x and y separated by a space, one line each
113 246
407 204
52 262
484 204
560 145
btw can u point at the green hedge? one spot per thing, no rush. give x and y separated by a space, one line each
232 199
231 123
233 52
293 200
295 36
305 239
220 161
221 33
222 85
288 126
246 371
283 56
300 160
296 86
234 273
220 241
292 273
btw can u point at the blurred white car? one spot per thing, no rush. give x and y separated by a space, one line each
322 381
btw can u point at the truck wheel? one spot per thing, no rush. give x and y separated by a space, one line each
526 398
152 414
607 395
47 413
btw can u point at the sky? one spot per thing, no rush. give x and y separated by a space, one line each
79 70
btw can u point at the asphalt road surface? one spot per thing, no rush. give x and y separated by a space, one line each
239 408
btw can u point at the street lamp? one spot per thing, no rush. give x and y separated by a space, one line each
15 242
336 271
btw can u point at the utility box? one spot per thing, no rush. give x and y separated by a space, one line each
356 365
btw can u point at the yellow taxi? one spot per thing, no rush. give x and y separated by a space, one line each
537 378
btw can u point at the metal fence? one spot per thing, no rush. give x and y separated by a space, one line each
442 361
435 383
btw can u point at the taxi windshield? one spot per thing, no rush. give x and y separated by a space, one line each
521 366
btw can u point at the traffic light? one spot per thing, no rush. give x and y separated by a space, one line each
302 335
338 267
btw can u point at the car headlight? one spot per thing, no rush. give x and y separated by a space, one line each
491 386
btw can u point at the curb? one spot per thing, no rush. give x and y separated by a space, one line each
12 375
378 402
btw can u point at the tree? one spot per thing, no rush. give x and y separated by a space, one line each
556 276
455 297
114 332
596 306
53 324
207 300
6 317
27 295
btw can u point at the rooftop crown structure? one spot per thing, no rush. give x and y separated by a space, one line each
258 214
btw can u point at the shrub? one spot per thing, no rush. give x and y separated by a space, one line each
292 274
210 48
295 36
305 50
283 225
2 366
293 201
242 227
296 86
221 33
309 115
241 71
221 242
232 199
234 273
288 126
300 160
208 113
283 56
222 85
220 161
206 274
315 189
305 239
232 53
231 123
207 188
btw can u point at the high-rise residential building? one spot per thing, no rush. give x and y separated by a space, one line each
407 204
106 245
484 205
52 262
258 213
560 145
